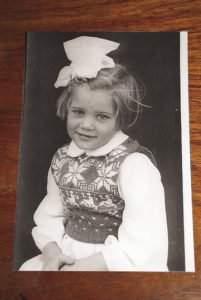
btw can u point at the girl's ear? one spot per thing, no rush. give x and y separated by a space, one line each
117 123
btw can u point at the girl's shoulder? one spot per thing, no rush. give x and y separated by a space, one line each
132 146
58 161
60 154
148 153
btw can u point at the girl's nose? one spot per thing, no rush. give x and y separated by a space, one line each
87 123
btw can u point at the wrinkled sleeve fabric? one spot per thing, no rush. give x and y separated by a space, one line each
142 243
49 217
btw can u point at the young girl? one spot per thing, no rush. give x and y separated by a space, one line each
105 208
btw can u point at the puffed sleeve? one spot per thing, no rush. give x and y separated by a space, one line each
49 217
142 243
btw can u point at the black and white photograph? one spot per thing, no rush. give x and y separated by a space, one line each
104 181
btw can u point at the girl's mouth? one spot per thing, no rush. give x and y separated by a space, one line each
85 136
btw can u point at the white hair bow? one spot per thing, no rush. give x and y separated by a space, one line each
87 56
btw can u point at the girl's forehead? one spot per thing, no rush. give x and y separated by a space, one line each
84 96
85 90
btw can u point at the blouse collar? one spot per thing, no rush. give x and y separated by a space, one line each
118 138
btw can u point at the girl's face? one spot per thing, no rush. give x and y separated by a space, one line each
91 119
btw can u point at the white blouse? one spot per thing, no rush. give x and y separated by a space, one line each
142 243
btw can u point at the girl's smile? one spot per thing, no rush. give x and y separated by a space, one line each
91 120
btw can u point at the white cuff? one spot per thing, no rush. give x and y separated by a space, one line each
115 258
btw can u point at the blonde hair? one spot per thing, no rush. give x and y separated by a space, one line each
127 93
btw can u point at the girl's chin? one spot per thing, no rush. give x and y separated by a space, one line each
85 145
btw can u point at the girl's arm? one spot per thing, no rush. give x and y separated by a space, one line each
49 230
142 243
49 217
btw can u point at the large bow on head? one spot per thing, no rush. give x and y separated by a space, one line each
87 56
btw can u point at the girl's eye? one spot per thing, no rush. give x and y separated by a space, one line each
78 113
102 117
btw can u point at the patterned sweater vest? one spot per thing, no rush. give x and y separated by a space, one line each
89 191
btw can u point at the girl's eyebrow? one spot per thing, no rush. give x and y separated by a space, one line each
76 106
104 113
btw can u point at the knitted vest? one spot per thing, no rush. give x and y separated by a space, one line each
89 191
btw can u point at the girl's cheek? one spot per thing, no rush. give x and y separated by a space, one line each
117 125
